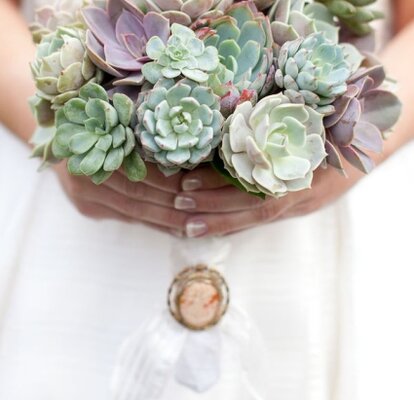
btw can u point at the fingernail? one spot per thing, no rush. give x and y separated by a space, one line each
191 184
184 203
196 229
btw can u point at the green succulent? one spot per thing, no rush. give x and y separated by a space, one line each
244 42
314 70
179 124
60 69
273 147
184 54
356 15
96 135
292 19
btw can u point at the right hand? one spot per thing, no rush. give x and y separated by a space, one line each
150 202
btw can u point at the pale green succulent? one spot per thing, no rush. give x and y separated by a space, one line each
96 135
60 69
273 147
184 54
314 70
356 15
179 124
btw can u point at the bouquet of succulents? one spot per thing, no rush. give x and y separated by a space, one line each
267 91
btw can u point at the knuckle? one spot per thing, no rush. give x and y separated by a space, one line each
134 209
210 203
267 212
255 201
133 190
173 218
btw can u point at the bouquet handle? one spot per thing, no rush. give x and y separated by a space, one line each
166 347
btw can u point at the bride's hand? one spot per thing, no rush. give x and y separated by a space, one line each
220 209
150 202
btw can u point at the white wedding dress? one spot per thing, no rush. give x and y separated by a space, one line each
72 289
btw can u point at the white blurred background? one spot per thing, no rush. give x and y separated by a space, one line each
382 212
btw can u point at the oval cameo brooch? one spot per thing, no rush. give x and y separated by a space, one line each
198 297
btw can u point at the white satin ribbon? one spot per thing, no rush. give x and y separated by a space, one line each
162 349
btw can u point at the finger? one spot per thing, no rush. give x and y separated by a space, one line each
202 178
140 191
224 200
224 224
232 222
158 180
137 210
100 212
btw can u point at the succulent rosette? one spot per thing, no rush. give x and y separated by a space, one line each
60 69
244 42
183 54
314 70
179 124
362 118
273 147
117 39
185 12
355 15
96 135
49 18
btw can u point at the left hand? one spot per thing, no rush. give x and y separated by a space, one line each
220 209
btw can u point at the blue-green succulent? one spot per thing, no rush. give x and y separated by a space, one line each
179 124
314 70
244 41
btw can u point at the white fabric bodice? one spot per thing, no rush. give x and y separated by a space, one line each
71 289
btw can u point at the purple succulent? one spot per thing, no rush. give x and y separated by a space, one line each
117 38
362 117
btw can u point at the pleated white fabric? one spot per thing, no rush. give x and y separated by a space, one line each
72 289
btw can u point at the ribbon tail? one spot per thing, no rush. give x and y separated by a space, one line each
242 332
147 359
199 365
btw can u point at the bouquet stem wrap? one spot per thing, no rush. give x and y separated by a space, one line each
163 349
